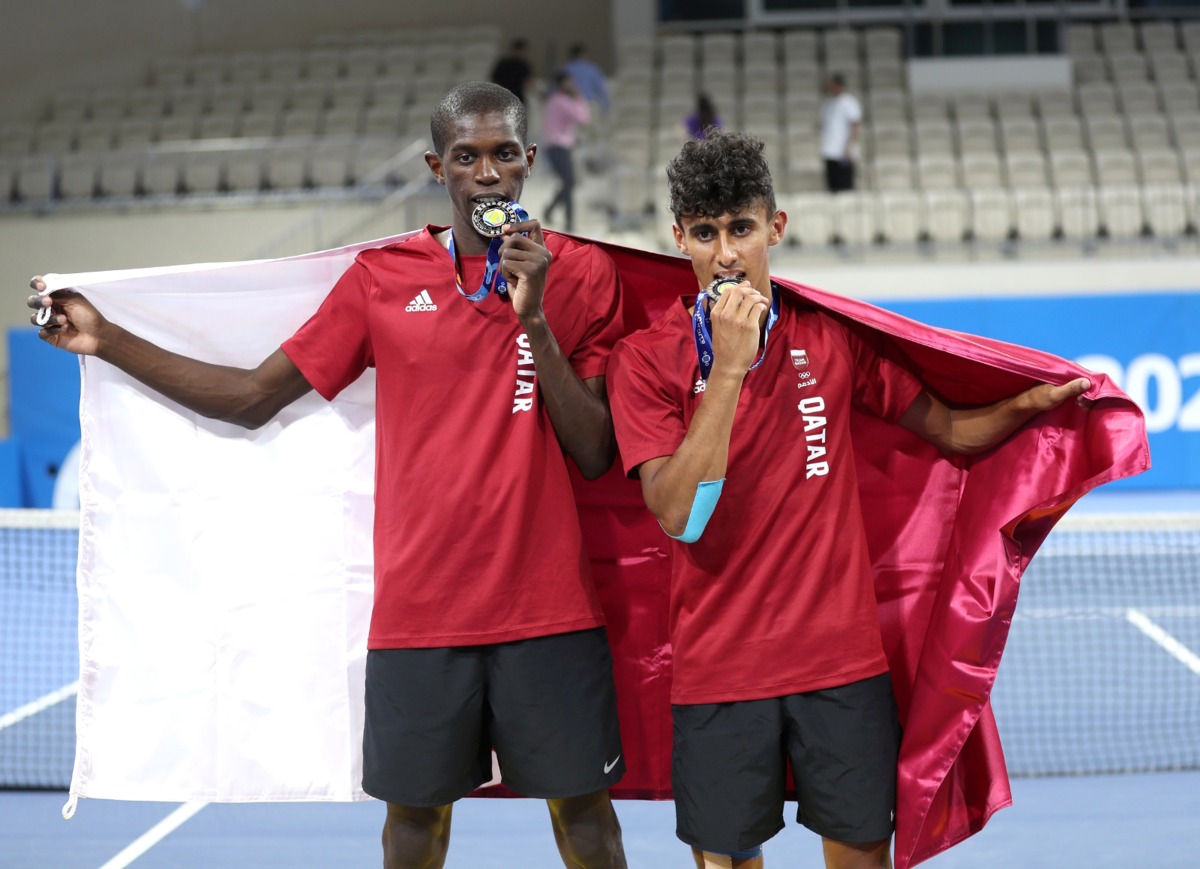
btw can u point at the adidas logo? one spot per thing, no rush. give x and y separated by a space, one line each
421 303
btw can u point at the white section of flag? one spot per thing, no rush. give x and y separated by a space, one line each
225 575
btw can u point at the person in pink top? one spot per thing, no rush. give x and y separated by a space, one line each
565 112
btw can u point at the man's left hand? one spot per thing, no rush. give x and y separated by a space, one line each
1045 396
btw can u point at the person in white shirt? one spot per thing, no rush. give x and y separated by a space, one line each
841 125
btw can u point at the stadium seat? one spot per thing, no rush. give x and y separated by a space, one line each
1079 39
839 48
761 109
1013 106
1158 36
208 70
981 171
68 108
94 135
882 42
1166 209
947 215
1097 98
246 68
1089 69
1115 167
800 42
77 175
329 165
8 173
1025 169
1077 212
1063 133
1179 97
1139 98
811 223
284 65
1055 104
202 172
677 51
35 177
323 64
135 132
54 138
227 99
975 136
1071 168
901 216
219 126
971 107
149 102
1117 36
1185 129
174 128
759 44
244 171
108 105
1189 36
16 138
308 96
1159 166
302 123
1150 132
891 140
1169 67
161 173
339 122
286 168
893 173
937 171
1035 213
890 106
260 125
170 71
188 102
927 107
1106 132
854 217
362 63
1121 210
1126 68
1020 134
119 173
991 214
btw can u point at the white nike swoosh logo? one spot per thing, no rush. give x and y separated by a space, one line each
608 766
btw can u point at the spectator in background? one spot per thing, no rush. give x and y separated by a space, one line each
566 111
705 118
841 125
513 70
588 77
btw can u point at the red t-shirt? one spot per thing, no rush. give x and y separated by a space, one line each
776 597
477 538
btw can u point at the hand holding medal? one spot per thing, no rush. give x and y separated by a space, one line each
738 313
517 254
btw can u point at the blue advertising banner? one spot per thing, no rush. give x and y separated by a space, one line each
1149 344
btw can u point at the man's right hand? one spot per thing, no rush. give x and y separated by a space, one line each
75 325
737 328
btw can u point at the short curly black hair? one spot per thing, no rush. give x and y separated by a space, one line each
724 172
472 99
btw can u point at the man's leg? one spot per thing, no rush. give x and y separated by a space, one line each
587 831
708 860
867 855
416 838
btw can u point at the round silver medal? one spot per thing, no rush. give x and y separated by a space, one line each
490 218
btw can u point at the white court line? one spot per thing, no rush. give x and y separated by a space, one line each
154 835
1172 646
43 702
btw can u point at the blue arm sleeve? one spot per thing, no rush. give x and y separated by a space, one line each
707 495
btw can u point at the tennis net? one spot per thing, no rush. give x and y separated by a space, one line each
1101 673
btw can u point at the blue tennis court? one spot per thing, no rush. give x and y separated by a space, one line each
1101 676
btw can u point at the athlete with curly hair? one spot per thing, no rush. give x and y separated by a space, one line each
735 414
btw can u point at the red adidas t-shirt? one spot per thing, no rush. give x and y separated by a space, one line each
477 539
776 597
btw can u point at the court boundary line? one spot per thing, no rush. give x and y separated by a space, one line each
1169 643
154 835
35 706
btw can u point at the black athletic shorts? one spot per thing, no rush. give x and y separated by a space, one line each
547 705
730 766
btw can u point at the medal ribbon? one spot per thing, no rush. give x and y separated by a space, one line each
492 279
702 326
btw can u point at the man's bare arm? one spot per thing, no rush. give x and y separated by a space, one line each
246 397
973 430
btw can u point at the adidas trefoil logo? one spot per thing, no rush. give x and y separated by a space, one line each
422 302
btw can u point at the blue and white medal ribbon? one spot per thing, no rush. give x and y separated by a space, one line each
702 326
489 219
